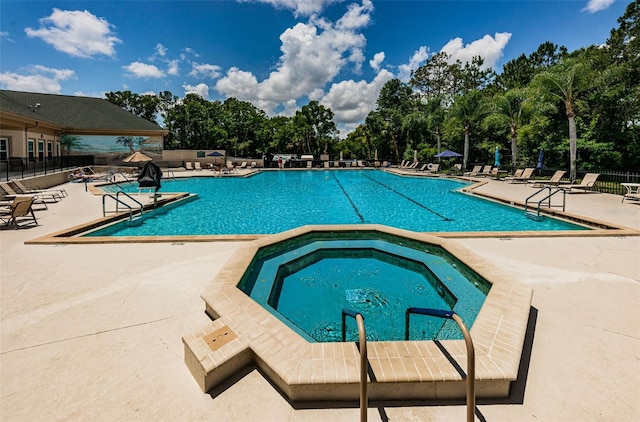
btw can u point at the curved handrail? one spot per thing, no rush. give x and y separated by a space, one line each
104 211
130 197
471 354
363 357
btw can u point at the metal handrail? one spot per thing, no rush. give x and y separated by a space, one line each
363 357
104 211
547 198
121 192
471 354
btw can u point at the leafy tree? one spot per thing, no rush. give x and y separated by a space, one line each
467 111
315 127
145 106
394 103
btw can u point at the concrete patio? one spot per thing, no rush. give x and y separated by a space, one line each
93 332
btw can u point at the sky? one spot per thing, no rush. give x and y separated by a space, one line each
276 54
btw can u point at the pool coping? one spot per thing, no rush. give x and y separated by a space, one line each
309 372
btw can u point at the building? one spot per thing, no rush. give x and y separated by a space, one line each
31 125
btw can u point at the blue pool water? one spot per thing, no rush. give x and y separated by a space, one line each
271 202
309 283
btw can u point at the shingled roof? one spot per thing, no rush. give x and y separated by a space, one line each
73 113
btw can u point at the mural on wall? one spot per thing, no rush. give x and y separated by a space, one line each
115 148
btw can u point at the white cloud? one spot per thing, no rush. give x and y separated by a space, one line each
313 54
77 33
419 56
377 60
172 68
594 6
205 70
351 101
200 89
143 70
489 48
298 7
38 79
4 36
161 50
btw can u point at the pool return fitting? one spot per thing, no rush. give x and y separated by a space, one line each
363 357
471 354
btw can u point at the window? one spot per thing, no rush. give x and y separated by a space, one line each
30 147
49 150
40 150
4 148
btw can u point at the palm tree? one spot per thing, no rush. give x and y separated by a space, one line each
69 141
563 82
511 108
466 110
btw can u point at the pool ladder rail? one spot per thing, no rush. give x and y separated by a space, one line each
364 365
551 191
119 202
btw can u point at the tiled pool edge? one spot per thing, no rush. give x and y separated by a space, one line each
329 371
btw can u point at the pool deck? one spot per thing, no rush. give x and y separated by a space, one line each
93 332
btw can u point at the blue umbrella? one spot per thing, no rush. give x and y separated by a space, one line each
497 163
540 165
447 154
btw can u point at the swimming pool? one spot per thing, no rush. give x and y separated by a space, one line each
271 202
307 280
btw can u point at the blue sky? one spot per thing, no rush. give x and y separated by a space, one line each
277 54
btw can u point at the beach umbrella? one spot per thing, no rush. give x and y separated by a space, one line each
216 154
497 162
448 154
415 155
540 165
375 155
137 157
341 156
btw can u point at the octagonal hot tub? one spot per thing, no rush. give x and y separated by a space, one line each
308 280
261 309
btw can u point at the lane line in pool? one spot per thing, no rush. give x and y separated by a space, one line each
408 198
349 198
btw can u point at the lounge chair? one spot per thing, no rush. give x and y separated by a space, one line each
253 165
524 178
187 165
19 187
422 168
554 180
20 209
474 172
587 183
243 165
197 166
433 168
326 164
486 171
7 192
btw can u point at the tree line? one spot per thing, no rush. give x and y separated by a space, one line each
581 107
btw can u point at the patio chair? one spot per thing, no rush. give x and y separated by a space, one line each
9 194
187 165
554 180
433 168
20 209
486 171
587 183
523 178
243 165
474 172
197 165
19 187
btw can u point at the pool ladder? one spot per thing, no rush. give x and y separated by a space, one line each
535 215
471 354
119 202
364 365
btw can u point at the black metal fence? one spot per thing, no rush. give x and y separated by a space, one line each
20 168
